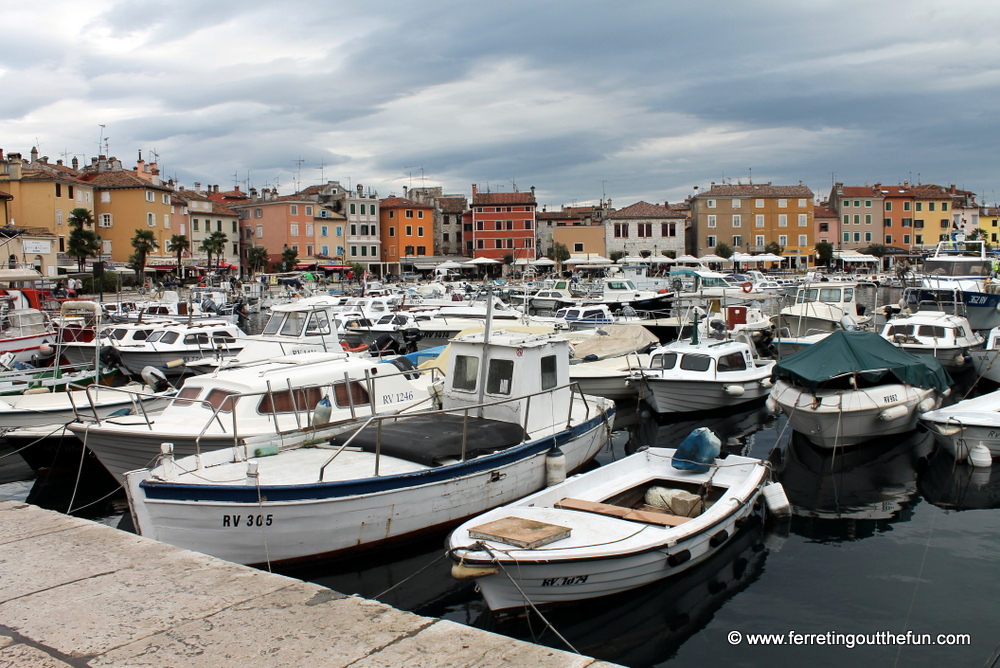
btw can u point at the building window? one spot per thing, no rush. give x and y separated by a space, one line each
324 250
782 203
847 237
888 206
309 229
711 221
421 250
257 213
59 216
324 230
887 222
510 243
353 211
409 230
527 224
868 236
758 240
340 230
920 206
803 240
857 219
621 230
105 220
782 220
906 238
847 219
645 230
668 230
736 204
498 225
737 240
260 231
166 220
58 190
529 242
294 209
235 227
944 206
577 247
150 197
392 214
782 240
710 241
907 222
510 224
802 202
498 243
759 220
420 230
759 203
293 230
906 206
409 213
737 219
150 219
803 220
392 231
888 238
354 230
105 197
711 204
420 213
857 236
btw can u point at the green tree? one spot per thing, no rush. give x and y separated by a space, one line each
875 250
289 258
257 259
724 250
824 252
559 252
144 242
179 244
83 242
773 247
214 245
614 256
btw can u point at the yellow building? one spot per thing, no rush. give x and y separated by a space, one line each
989 223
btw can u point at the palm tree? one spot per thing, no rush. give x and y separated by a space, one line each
257 259
214 244
179 244
289 258
144 242
83 242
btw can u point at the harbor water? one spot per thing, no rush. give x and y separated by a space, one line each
889 559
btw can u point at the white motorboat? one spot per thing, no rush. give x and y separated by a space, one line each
853 387
506 403
24 331
265 399
818 309
163 344
701 375
962 266
986 361
950 338
600 533
966 424
608 377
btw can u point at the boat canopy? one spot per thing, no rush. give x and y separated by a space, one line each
863 353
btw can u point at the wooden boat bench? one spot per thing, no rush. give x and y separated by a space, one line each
646 516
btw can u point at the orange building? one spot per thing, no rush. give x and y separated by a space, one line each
407 229
502 224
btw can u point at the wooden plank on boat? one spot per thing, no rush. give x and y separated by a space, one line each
646 516
520 532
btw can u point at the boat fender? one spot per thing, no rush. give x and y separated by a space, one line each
265 451
697 451
735 390
45 350
166 460
747 287
893 413
766 382
555 466
979 456
776 500
927 404
37 390
173 364
253 473
461 571
154 378
772 405
678 558
719 538
322 412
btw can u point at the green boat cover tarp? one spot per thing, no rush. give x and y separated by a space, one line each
863 353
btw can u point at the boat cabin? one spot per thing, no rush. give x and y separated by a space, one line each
525 377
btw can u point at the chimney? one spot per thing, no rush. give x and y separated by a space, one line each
140 166
197 186
76 164
34 153
216 189
532 193
474 192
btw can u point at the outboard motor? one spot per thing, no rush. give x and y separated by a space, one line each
209 306
385 344
154 378
848 323
410 337
110 357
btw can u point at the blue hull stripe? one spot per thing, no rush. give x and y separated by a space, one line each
169 491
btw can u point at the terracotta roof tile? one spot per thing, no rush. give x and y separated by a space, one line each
645 210
503 198
860 191
755 190
453 204
396 202
822 211
123 179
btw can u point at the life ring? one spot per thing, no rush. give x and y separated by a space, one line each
747 287
356 349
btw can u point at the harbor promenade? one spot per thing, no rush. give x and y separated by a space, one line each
77 593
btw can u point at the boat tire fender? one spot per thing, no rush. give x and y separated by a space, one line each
719 538
678 558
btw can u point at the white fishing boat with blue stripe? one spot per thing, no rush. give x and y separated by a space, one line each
960 265
507 414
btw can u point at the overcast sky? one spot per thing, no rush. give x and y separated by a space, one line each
636 100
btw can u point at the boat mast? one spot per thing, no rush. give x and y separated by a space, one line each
486 348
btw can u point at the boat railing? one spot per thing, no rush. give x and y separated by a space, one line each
466 412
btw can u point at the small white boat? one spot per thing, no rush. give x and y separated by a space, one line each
265 399
986 361
966 424
24 331
853 387
96 401
608 377
702 375
820 308
945 336
506 404
597 533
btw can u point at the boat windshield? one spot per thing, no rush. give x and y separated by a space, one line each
951 266
285 324
828 295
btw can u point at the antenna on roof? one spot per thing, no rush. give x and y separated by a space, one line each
321 168
750 169
410 174
298 171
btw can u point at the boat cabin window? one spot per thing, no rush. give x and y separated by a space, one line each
952 267
199 339
222 337
498 381
141 334
221 400
187 392
595 314
347 394
319 323
665 361
731 362
292 325
466 373
290 401
549 378
618 285
933 331
691 362
565 313
155 336
169 337
158 310
904 330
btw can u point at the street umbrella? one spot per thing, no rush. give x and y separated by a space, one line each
544 262
713 258
449 264
482 260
